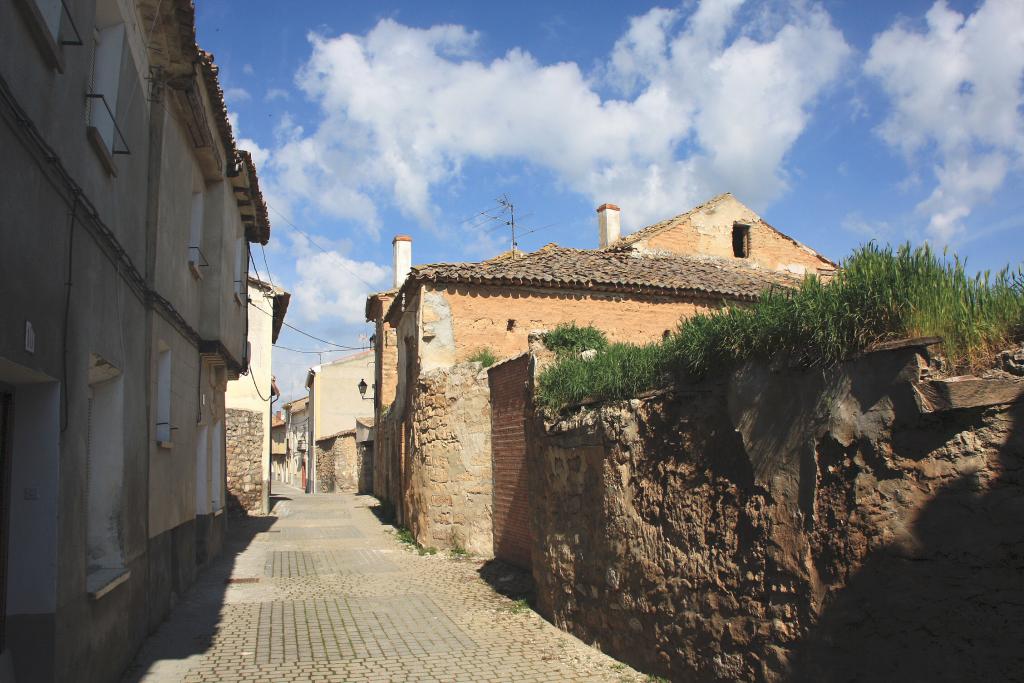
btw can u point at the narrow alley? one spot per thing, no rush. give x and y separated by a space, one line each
321 590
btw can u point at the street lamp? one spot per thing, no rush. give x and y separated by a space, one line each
362 388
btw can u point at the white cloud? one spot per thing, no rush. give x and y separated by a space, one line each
237 95
330 288
259 154
276 94
248 70
956 90
402 109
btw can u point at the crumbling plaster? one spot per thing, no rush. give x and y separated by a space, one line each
708 231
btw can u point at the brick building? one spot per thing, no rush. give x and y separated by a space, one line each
433 442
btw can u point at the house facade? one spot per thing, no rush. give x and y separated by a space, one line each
296 439
278 447
128 213
335 402
249 401
433 459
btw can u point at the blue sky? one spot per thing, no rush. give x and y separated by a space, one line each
839 122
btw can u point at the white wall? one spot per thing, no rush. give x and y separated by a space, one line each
336 398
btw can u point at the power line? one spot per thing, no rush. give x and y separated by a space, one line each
351 348
269 276
303 332
304 233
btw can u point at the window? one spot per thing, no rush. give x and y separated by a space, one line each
241 270
740 240
163 398
217 467
203 499
108 38
196 260
50 11
104 476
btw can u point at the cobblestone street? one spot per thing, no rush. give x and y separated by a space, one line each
322 591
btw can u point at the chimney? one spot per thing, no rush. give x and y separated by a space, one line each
608 226
403 257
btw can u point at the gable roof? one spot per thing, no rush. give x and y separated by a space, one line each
627 242
555 267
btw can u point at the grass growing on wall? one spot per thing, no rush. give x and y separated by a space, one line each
879 294
570 338
484 356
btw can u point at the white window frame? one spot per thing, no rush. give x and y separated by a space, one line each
50 12
105 81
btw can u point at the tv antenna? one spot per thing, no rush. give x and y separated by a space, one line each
505 203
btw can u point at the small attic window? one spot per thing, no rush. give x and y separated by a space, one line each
740 240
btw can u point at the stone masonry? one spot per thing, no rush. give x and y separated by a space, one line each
337 463
450 478
854 523
244 434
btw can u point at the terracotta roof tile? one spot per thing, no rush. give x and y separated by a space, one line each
579 269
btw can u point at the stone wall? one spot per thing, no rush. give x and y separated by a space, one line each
244 434
784 525
449 478
364 452
337 464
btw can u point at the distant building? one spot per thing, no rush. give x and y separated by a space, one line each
278 447
335 403
249 399
127 212
296 418
432 459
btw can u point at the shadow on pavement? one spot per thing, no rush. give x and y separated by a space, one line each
188 630
509 580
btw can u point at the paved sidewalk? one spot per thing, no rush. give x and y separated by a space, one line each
322 591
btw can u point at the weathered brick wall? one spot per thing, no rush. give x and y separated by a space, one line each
708 230
449 477
512 538
480 317
244 448
805 526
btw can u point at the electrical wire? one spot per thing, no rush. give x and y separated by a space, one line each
341 347
253 377
269 276
306 234
354 348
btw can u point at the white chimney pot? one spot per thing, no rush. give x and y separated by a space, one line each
403 258
608 225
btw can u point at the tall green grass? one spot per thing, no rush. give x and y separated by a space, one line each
878 294
569 338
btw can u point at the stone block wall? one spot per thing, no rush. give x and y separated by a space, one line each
364 452
785 525
244 448
449 478
337 463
